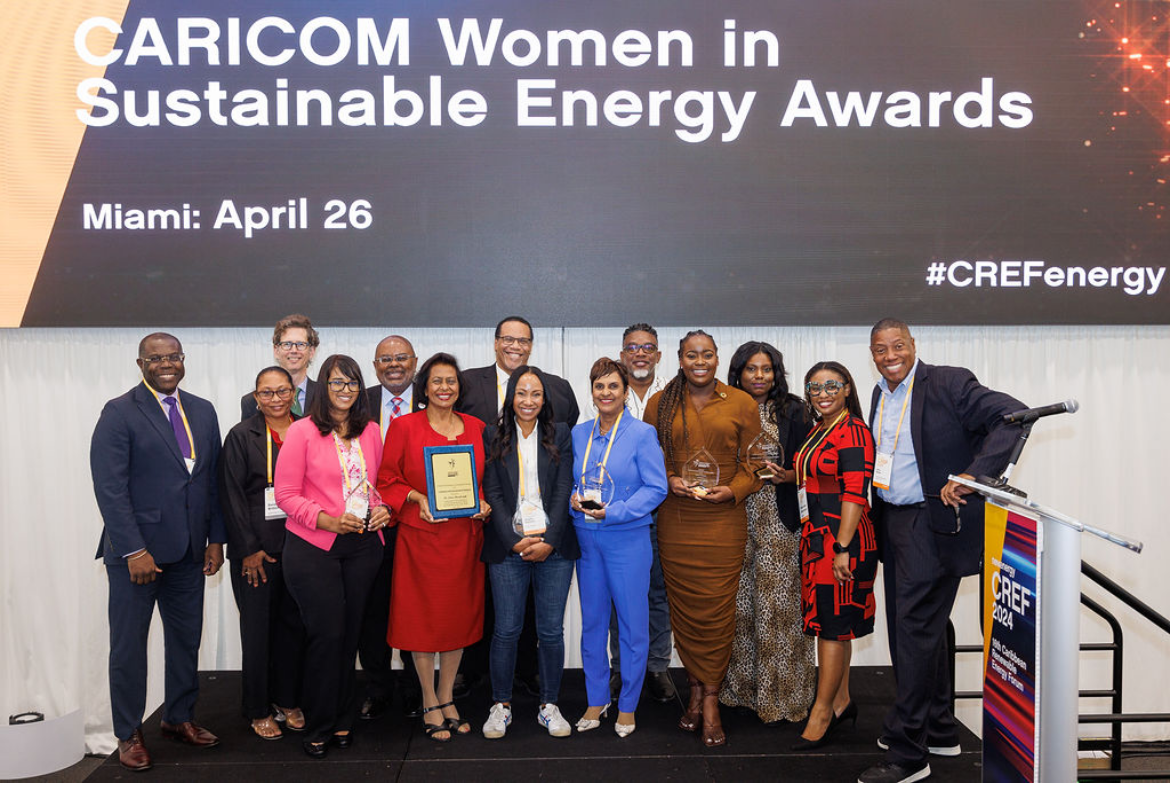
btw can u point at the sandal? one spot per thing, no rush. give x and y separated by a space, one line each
431 728
266 729
455 724
293 719
713 735
689 721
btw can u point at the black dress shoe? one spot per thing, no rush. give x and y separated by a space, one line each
315 749
895 772
373 708
412 703
661 686
615 685
342 741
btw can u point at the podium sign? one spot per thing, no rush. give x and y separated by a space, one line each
1011 645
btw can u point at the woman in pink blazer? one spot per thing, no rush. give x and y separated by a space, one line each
325 484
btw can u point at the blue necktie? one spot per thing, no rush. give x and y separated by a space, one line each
177 425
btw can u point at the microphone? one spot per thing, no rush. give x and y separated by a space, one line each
1031 415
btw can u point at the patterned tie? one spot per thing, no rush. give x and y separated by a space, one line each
177 425
397 411
296 407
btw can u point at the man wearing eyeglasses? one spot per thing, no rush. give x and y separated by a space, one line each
294 344
483 397
394 366
154 458
928 422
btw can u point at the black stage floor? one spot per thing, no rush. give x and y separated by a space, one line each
394 748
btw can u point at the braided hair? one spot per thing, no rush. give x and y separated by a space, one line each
671 401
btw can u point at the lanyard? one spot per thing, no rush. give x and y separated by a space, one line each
520 460
805 461
882 422
588 447
268 438
182 415
344 462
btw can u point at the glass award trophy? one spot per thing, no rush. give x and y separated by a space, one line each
529 520
361 499
701 472
763 450
596 489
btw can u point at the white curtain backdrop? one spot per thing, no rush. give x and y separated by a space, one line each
1099 465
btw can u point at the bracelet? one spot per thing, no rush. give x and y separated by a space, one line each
138 555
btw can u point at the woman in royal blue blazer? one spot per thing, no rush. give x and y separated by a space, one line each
529 539
615 540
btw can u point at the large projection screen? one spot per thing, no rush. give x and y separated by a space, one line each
442 163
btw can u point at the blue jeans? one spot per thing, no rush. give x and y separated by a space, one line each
550 580
614 571
661 646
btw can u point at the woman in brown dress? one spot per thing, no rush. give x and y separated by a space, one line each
702 531
773 665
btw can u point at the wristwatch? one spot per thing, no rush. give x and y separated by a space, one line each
839 548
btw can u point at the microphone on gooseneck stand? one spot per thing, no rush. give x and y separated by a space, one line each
1031 415
1026 418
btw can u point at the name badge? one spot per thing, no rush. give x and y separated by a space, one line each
358 506
883 470
802 502
190 465
271 511
533 520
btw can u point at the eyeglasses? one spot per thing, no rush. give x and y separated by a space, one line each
401 359
511 340
831 387
634 348
284 393
155 359
288 346
337 385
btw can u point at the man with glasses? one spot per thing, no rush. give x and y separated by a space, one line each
640 356
294 344
928 422
482 397
394 366
154 457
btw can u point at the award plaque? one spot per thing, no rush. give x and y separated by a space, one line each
762 450
701 472
452 491
596 489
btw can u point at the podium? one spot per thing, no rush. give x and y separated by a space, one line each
1032 586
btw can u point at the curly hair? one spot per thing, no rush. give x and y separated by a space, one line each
504 438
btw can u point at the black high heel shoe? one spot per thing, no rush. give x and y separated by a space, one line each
848 713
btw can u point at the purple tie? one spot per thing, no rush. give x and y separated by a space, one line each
397 404
177 425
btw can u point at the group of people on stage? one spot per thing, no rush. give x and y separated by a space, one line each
742 519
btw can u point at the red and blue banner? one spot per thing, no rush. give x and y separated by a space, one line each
1011 646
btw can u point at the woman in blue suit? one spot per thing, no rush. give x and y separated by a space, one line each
614 537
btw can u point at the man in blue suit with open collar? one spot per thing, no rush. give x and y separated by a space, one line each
154 459
929 422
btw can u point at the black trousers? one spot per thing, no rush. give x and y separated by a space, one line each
272 638
374 653
331 588
919 599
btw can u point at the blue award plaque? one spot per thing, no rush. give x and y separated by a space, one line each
452 491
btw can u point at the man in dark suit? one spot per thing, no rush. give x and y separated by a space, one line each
485 386
929 422
294 344
482 396
394 366
154 458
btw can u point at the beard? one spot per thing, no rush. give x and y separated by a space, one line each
642 373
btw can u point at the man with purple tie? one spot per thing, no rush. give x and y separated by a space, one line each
154 458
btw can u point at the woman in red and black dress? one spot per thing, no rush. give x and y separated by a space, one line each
838 550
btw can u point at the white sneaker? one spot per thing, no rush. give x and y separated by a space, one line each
550 717
499 718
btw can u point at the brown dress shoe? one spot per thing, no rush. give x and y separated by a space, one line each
132 753
189 733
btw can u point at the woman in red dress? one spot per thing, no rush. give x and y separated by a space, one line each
436 600
834 469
